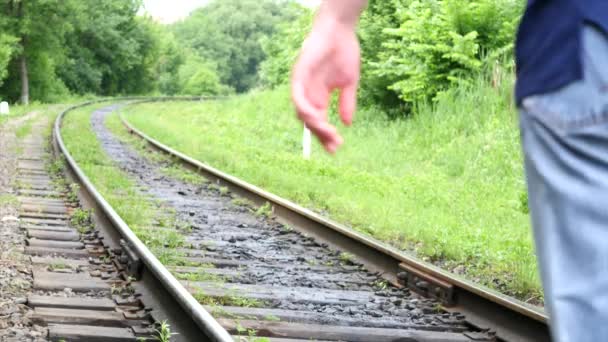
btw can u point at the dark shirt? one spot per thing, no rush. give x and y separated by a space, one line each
548 53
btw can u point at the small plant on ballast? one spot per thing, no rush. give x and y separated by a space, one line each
164 332
264 211
380 284
346 258
242 202
56 167
81 219
81 216
73 193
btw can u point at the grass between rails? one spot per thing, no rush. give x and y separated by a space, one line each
446 183
139 212
170 167
155 225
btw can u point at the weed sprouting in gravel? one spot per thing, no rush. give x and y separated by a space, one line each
250 334
8 199
24 130
122 289
227 300
164 332
169 257
73 193
346 258
81 219
272 318
264 211
184 226
59 183
200 276
242 202
160 237
176 171
380 285
105 259
56 166
58 266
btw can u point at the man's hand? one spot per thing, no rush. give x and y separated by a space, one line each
329 60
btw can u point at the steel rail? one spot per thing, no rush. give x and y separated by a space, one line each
177 305
513 320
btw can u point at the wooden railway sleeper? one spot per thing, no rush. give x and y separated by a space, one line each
485 336
426 284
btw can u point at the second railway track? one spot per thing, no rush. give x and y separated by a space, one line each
295 276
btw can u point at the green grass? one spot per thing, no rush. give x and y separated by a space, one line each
229 299
19 110
446 183
138 211
24 129
200 276
8 199
157 226
170 167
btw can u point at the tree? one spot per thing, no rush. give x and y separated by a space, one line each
415 49
7 48
40 28
199 77
228 33
111 50
282 47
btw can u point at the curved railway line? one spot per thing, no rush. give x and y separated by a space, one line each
286 277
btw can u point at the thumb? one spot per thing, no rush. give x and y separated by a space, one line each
348 103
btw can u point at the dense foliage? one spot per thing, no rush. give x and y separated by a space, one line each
34 32
52 48
412 49
282 48
62 46
437 43
228 33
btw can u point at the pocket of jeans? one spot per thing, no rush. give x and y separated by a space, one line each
581 103
574 106
595 57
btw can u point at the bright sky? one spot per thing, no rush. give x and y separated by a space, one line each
168 11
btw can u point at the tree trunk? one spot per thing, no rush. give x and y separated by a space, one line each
25 81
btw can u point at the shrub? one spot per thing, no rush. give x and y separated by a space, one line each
435 43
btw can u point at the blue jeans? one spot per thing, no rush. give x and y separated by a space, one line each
565 142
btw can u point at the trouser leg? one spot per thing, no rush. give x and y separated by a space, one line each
565 142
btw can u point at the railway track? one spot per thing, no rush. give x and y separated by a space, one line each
92 280
286 274
78 292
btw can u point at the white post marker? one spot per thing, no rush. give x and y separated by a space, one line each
4 108
306 143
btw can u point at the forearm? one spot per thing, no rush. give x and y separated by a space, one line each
345 12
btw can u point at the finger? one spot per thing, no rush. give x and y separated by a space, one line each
348 103
326 133
303 104
314 118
